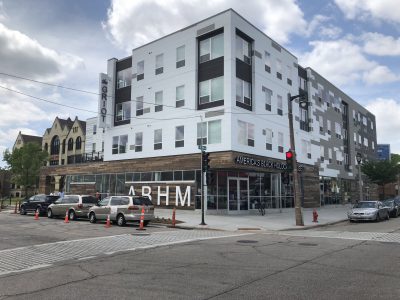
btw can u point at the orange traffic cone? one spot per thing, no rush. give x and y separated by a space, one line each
108 223
66 220
36 215
141 227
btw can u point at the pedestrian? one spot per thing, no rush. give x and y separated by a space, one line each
98 196
61 194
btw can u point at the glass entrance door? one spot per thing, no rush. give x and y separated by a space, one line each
238 194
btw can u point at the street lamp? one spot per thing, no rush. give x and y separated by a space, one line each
297 196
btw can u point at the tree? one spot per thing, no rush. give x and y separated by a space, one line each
24 164
381 172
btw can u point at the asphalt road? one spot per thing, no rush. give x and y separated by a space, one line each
196 264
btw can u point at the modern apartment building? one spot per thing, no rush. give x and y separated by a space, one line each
221 84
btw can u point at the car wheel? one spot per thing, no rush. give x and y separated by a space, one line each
387 216
50 214
71 215
92 218
121 220
145 223
377 217
22 210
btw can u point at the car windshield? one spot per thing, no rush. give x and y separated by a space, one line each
388 202
365 205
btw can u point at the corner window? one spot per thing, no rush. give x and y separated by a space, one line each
243 50
139 106
280 142
124 78
159 64
209 132
140 70
180 96
138 142
123 111
119 144
179 136
211 90
243 91
157 139
180 56
211 48
245 133
158 101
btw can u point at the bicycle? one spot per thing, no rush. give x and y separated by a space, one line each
261 207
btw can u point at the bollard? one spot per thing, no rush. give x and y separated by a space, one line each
141 227
173 217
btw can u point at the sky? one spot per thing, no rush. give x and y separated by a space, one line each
355 44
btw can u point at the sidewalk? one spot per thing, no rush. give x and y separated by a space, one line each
270 221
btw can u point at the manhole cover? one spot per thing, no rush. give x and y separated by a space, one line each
247 241
307 244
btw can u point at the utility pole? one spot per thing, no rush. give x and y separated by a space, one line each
202 174
359 160
296 187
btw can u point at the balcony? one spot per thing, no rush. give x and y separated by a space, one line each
85 158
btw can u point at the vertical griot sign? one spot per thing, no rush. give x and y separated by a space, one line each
103 91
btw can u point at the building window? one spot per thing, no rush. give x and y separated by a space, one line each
119 144
70 144
138 141
124 78
329 128
321 124
372 125
158 101
338 130
140 70
209 132
211 48
365 142
278 69
289 75
322 152
280 142
211 90
157 139
245 133
304 119
93 147
364 120
267 62
179 136
94 129
243 50
320 93
280 105
302 83
139 106
180 96
123 111
268 138
78 143
373 145
180 56
243 91
306 148
330 155
268 98
159 64
55 146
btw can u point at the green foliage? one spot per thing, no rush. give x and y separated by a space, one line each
24 163
395 157
381 172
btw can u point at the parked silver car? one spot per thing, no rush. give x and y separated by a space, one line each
122 209
77 206
368 210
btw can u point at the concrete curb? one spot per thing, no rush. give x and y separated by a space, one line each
308 227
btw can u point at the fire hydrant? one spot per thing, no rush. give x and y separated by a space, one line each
315 216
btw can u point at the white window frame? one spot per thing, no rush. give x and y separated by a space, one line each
124 78
123 111
243 50
248 130
180 62
208 85
211 54
179 136
138 141
245 88
268 138
119 144
180 101
206 134
158 139
158 101
159 64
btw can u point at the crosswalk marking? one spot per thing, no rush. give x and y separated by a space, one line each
44 255
362 236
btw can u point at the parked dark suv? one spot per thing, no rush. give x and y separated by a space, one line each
37 203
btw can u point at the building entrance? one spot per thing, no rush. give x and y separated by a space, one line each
238 194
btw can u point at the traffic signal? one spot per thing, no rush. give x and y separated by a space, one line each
289 161
205 161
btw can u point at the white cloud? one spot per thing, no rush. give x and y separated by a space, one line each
330 31
387 113
378 75
278 19
343 62
3 15
381 45
380 10
22 55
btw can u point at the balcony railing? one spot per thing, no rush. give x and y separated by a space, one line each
85 158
